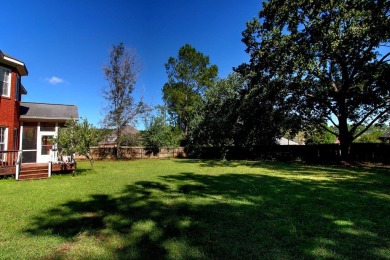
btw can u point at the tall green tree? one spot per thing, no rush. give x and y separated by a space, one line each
218 122
189 75
236 114
121 109
78 136
329 60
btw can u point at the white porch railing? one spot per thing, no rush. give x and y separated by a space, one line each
8 162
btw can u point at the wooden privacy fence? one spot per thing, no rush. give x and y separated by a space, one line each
370 152
128 152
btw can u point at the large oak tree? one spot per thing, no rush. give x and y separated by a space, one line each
327 61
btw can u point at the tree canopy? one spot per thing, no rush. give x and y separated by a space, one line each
78 136
159 133
189 75
325 61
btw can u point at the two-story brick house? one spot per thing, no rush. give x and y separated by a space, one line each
11 90
26 126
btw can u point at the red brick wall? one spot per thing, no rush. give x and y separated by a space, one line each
9 112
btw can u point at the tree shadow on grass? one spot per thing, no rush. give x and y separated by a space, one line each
243 216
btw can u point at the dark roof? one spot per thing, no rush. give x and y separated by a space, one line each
129 130
111 137
52 112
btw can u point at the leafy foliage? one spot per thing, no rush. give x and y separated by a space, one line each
236 114
322 62
121 74
321 136
217 125
78 137
131 139
159 134
372 134
189 75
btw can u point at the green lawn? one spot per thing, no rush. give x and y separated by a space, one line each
187 209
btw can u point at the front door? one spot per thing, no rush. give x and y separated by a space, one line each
45 145
29 143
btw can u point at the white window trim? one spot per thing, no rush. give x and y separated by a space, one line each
5 138
9 82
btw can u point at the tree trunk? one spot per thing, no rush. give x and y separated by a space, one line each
345 139
91 161
345 146
118 137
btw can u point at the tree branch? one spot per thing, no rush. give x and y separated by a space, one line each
328 130
384 57
371 123
368 115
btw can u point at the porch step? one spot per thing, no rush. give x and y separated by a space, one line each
33 172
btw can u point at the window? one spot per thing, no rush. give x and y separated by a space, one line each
5 81
47 144
17 92
48 127
3 138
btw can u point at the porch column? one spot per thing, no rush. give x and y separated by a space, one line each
21 136
20 153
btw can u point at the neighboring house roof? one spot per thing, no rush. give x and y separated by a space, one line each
52 112
129 130
11 61
385 136
111 137
285 141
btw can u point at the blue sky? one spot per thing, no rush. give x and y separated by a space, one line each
65 44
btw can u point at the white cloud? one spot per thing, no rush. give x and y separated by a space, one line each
54 80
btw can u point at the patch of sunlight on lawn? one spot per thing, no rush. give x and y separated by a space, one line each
348 227
312 177
146 228
323 252
180 249
343 223
381 252
357 232
379 195
85 246
322 249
